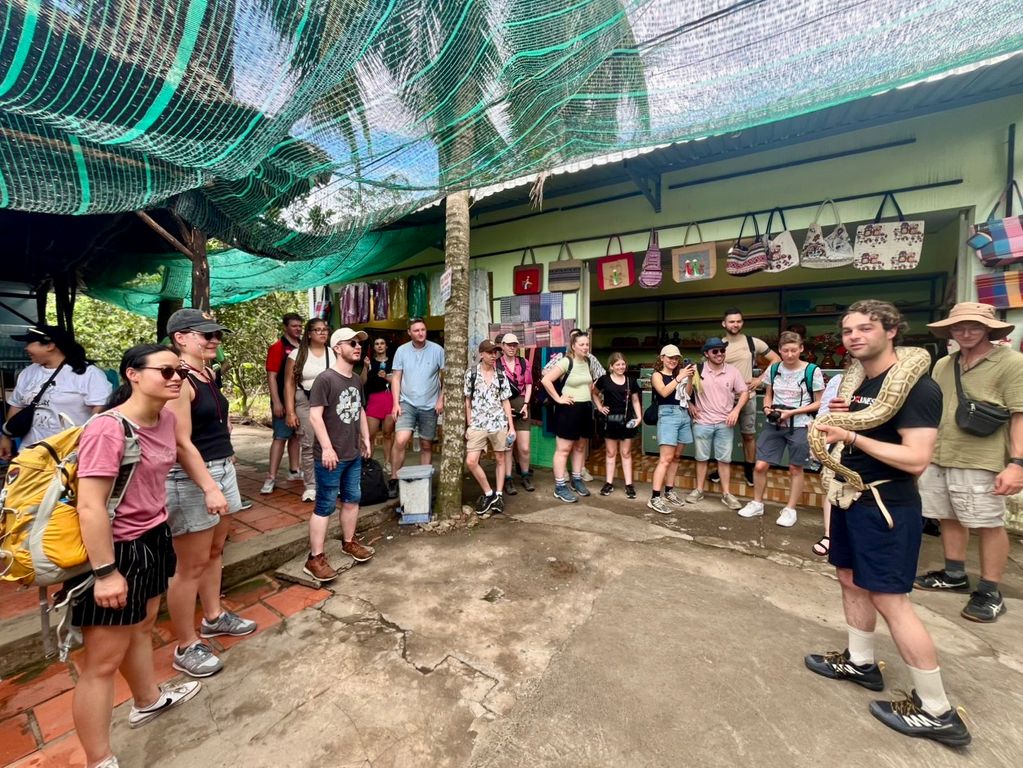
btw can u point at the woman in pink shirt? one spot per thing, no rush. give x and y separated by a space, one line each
131 556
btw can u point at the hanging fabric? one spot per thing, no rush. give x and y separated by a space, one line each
565 275
826 252
747 258
999 242
527 278
652 274
381 301
417 296
892 245
782 252
436 297
1003 290
355 304
398 299
693 262
323 305
616 270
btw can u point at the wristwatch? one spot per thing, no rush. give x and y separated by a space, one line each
1016 460
104 570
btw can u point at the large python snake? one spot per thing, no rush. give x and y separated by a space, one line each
912 364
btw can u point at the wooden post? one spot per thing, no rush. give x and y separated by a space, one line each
167 308
200 271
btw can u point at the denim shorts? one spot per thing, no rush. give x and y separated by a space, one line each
713 441
674 427
345 480
423 419
186 502
281 429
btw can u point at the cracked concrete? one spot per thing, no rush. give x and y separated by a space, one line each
590 635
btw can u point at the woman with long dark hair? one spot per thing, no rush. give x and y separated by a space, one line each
131 556
376 380
202 490
68 387
304 364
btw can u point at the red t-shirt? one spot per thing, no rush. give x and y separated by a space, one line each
144 505
277 354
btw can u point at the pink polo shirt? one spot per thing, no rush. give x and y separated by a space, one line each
717 393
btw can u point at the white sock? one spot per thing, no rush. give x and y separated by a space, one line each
861 646
930 690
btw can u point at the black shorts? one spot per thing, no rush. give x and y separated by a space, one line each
881 559
616 430
574 421
147 563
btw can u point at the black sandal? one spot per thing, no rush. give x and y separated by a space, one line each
822 547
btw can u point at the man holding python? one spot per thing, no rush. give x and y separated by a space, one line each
885 422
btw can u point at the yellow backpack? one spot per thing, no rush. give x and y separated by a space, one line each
40 536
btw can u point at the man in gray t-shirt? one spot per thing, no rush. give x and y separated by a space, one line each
417 377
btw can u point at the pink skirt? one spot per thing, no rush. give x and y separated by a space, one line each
379 405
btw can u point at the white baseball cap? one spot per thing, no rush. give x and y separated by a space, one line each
510 338
346 334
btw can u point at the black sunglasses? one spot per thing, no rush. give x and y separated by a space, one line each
167 371
209 335
351 343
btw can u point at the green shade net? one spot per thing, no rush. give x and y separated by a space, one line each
291 128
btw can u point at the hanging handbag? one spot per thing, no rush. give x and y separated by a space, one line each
822 251
323 306
650 414
20 424
693 262
527 278
975 417
999 242
747 258
564 275
891 245
651 274
782 252
616 270
1002 290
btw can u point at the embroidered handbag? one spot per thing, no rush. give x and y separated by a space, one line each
782 252
999 242
564 275
693 262
747 258
527 278
822 251
616 270
651 275
888 244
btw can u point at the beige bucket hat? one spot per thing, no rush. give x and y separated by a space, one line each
971 311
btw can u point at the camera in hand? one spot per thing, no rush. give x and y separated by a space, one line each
773 416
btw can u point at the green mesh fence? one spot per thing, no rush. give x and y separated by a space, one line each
293 127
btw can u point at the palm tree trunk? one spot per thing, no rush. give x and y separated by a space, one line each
456 341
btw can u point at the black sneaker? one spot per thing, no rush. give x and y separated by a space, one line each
984 607
747 473
714 477
940 581
527 482
497 505
606 489
392 489
509 486
630 492
836 665
482 504
909 718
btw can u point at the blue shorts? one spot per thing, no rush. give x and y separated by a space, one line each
422 419
345 480
281 429
714 441
674 427
881 559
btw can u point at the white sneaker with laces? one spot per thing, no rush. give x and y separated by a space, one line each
309 494
752 509
730 501
295 474
268 486
787 518
694 496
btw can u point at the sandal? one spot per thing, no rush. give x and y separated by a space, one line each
822 547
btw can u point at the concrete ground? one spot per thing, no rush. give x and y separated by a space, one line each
593 634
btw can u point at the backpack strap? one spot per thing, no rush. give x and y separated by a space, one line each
773 372
752 347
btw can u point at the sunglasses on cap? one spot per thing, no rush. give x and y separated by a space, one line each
209 335
167 371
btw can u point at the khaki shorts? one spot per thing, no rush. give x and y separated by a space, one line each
477 439
748 416
966 495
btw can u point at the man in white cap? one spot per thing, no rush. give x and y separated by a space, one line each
970 475
339 422
520 377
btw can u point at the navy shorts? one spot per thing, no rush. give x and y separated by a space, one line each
881 559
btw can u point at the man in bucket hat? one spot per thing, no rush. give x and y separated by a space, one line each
969 476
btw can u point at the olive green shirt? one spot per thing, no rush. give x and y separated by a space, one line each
998 379
578 383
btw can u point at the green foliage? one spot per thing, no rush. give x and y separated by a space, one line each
105 330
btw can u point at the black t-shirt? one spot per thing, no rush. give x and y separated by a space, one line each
921 409
616 396
670 398
374 381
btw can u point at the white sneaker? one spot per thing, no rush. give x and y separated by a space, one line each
268 486
752 509
730 501
387 468
694 496
674 497
295 474
787 518
171 694
587 477
309 494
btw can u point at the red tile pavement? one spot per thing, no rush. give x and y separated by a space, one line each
276 522
43 697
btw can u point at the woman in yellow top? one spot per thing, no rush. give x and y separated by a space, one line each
573 416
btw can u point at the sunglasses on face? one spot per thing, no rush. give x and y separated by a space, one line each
167 371
715 351
352 344
210 335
